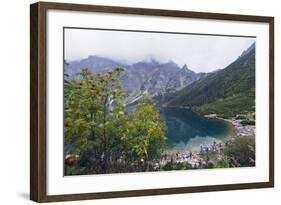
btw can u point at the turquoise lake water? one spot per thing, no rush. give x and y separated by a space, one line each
188 130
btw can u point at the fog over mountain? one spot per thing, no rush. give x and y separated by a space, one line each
202 53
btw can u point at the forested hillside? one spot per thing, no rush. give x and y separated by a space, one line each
227 92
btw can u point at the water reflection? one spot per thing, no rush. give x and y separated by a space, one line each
186 129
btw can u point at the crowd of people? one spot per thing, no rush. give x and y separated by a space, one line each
195 159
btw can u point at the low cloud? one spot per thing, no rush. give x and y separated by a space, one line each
201 53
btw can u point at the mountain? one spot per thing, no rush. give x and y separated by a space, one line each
168 77
151 77
94 63
226 92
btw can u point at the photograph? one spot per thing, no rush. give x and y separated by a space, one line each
146 101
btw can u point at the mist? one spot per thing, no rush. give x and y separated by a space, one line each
201 53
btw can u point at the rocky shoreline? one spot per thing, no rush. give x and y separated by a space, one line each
196 159
240 130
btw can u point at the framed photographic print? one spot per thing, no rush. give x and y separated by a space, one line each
134 102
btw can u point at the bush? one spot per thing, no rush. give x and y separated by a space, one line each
241 151
224 163
177 166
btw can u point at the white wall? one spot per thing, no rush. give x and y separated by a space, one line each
14 101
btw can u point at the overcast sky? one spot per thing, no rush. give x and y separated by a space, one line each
200 53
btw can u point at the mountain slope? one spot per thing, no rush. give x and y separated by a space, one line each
152 77
227 92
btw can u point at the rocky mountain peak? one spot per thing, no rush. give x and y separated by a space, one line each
185 67
185 70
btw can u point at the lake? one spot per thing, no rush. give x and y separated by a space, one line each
187 130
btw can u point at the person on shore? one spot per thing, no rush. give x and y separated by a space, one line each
201 149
